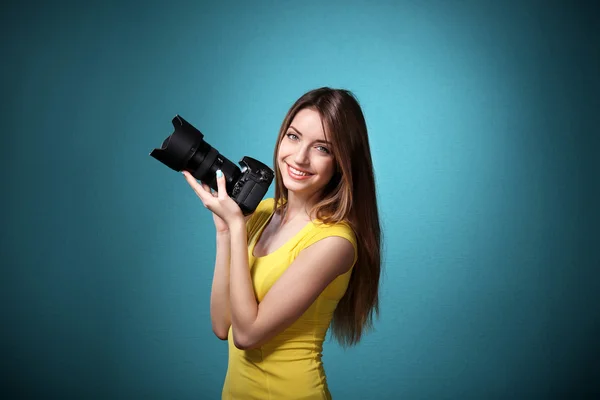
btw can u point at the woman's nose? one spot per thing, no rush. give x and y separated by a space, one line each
301 156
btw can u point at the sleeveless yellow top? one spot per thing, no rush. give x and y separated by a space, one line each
289 366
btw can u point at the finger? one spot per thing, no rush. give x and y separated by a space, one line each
196 186
190 179
221 187
209 189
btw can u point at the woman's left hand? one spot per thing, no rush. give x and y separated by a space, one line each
222 205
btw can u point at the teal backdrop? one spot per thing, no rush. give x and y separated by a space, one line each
483 125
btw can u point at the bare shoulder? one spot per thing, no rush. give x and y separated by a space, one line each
336 252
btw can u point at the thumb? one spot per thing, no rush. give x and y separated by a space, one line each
222 188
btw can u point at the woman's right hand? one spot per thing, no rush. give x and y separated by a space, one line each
220 225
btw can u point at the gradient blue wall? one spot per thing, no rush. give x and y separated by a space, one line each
480 116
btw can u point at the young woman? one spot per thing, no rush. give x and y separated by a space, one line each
306 258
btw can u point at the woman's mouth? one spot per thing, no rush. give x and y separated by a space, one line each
296 174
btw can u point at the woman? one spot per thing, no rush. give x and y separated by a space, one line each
306 258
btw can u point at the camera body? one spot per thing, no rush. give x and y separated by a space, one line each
185 149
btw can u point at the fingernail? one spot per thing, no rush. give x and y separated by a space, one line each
219 173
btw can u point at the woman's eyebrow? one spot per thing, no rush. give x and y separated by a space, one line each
300 133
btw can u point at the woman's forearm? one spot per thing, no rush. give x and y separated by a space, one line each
244 307
220 309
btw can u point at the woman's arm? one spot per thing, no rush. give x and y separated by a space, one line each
293 293
220 310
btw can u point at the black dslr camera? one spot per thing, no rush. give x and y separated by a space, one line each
185 149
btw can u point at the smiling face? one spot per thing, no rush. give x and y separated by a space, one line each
305 156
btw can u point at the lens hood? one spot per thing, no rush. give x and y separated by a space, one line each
179 147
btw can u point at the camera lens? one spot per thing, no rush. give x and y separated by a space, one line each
185 149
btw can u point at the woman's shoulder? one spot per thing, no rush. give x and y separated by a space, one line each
263 211
340 226
322 230
265 204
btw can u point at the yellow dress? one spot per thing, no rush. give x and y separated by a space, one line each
289 366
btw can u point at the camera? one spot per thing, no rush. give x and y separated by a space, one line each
185 149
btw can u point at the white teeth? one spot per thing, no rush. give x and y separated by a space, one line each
295 171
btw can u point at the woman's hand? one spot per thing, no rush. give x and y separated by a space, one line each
220 225
225 211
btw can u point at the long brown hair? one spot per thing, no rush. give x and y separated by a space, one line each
349 197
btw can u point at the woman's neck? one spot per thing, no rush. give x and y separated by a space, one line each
297 208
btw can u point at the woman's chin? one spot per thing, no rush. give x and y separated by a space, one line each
306 191
293 186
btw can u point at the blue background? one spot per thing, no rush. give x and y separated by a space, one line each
483 125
